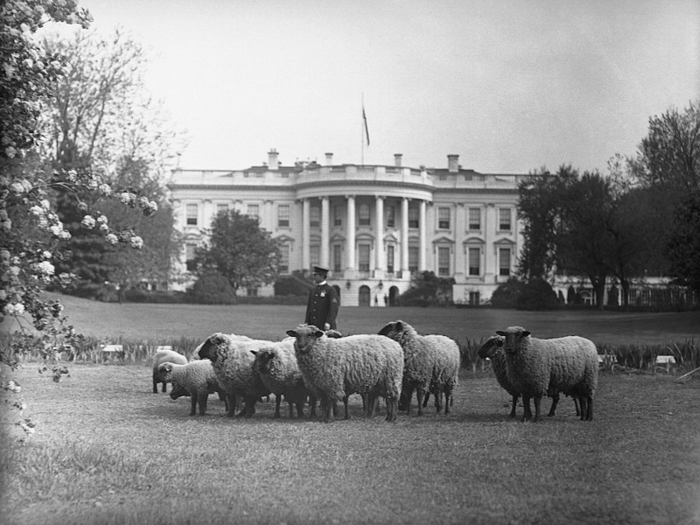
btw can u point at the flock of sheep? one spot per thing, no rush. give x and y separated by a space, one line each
312 365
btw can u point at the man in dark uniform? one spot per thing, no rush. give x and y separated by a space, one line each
323 302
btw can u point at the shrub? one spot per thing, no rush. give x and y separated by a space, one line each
213 288
506 295
292 285
538 295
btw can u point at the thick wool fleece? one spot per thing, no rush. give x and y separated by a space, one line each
233 365
536 366
197 377
336 368
279 371
164 356
431 362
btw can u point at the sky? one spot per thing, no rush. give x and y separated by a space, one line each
510 87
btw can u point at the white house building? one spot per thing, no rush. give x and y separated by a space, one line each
372 226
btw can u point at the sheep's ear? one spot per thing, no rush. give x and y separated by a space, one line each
501 333
319 333
254 352
525 333
398 325
292 333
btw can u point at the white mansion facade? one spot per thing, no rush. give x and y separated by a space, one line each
372 226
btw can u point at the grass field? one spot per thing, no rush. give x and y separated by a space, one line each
108 451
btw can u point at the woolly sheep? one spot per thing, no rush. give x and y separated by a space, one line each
197 377
493 350
164 356
566 364
279 371
232 360
431 363
335 368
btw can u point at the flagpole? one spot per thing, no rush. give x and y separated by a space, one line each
362 130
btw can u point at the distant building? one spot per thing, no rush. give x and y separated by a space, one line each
372 226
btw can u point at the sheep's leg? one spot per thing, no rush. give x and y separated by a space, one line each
155 384
527 413
392 405
278 401
223 397
586 408
515 404
193 399
577 405
448 398
408 399
438 399
327 407
231 411
427 397
202 401
300 409
538 401
312 405
555 401
291 409
248 407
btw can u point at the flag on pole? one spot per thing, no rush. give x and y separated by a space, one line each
364 118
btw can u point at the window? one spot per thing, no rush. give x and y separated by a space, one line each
337 257
192 213
284 259
474 219
413 258
474 298
253 210
337 215
390 216
221 208
283 215
444 218
474 261
315 254
390 258
413 218
364 215
443 261
504 261
190 254
363 254
252 291
504 219
315 216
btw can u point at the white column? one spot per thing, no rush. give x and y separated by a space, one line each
350 230
490 228
460 228
422 251
305 234
206 213
380 266
404 238
325 232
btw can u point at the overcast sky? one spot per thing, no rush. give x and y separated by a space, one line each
508 86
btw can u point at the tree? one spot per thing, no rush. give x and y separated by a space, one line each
240 250
32 234
684 243
103 117
428 289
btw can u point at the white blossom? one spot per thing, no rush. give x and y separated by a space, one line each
46 267
88 221
111 238
136 242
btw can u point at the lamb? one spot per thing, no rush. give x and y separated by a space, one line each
336 368
279 371
431 363
232 360
196 377
164 356
493 350
566 364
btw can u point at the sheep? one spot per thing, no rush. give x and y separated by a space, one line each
493 350
164 356
232 360
333 369
279 371
535 366
196 377
431 363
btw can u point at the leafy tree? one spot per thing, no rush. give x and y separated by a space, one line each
213 288
684 244
428 289
240 250
32 235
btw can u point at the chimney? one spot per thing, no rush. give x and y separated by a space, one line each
273 160
453 163
397 159
329 159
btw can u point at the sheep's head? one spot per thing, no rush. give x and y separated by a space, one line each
305 335
164 371
391 330
178 391
208 349
262 359
513 337
491 345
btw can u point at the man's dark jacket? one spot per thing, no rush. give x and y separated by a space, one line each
322 307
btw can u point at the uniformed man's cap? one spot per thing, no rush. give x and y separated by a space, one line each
320 270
